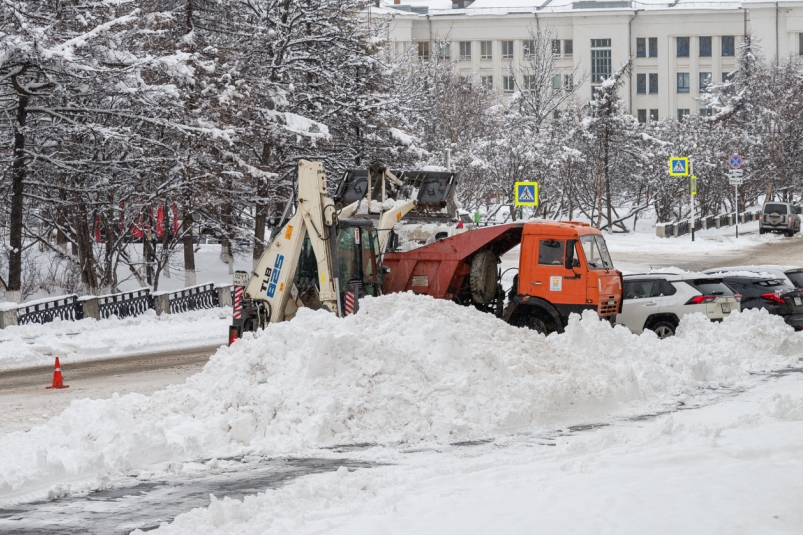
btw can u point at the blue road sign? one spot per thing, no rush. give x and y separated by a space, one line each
526 193
735 161
679 166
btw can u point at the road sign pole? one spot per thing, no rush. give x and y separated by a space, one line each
736 199
691 174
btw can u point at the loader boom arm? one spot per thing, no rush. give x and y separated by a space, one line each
272 280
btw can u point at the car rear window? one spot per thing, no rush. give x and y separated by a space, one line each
796 277
773 208
776 284
710 286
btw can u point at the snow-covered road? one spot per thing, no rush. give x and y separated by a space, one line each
475 420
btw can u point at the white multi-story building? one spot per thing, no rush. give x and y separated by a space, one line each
676 47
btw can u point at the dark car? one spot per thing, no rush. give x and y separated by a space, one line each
776 296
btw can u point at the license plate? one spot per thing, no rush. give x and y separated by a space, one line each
798 301
726 308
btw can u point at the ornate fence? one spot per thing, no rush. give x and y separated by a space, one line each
122 305
125 305
65 308
194 298
679 228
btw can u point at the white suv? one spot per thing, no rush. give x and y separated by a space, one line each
657 301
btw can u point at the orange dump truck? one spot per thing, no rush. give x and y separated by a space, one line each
564 267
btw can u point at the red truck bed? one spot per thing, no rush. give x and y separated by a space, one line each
441 269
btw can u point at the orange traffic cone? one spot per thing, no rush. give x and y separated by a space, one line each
58 380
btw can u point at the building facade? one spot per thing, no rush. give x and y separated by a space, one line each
677 48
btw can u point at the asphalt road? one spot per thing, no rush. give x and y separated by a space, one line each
27 402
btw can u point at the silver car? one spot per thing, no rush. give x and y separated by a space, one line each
657 301
779 217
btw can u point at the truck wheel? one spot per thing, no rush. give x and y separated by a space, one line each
482 279
533 323
664 329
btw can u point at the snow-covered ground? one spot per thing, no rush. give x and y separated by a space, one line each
412 377
35 344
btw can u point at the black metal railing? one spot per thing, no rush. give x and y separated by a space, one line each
725 220
194 298
65 308
125 305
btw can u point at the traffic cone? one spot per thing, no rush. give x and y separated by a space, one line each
58 380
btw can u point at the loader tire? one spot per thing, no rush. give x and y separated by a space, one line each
482 279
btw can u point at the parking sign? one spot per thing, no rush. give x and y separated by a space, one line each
526 194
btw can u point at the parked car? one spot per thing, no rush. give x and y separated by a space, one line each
775 295
657 301
792 274
779 217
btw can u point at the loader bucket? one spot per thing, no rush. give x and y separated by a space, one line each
434 188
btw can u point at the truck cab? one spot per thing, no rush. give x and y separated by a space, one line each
564 268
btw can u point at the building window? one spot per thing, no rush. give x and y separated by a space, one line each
423 51
568 82
683 82
641 48
529 48
600 43
728 45
682 112
653 83
465 49
641 83
486 50
556 82
445 51
653 47
600 65
529 82
556 47
487 82
705 47
642 116
508 84
507 49
683 46
568 47
705 80
705 112
653 115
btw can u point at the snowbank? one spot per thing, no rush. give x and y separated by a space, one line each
74 341
405 369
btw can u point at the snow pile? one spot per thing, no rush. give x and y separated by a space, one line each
406 368
73 341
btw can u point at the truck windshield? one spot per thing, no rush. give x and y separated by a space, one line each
596 252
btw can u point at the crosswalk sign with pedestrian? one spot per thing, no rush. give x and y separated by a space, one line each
526 194
679 166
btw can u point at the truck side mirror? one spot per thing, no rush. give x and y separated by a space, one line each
385 270
569 264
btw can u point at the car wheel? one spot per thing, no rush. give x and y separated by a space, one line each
761 230
664 329
790 233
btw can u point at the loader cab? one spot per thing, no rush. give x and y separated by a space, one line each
358 258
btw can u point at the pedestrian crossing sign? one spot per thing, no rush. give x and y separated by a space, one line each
526 193
679 166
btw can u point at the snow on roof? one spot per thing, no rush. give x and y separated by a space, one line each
511 7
